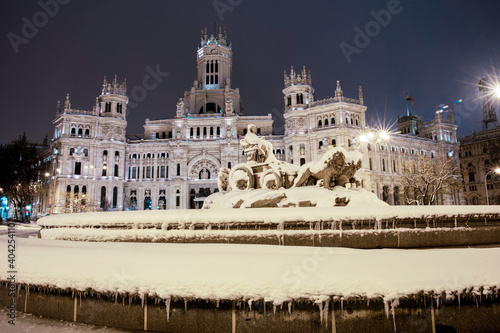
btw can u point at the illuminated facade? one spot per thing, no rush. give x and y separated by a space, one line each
175 164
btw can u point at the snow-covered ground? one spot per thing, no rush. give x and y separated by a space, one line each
27 323
250 272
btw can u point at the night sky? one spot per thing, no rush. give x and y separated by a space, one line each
435 50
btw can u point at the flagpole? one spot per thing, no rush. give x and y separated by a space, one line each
407 109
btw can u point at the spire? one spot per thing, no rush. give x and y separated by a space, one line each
67 103
338 91
292 74
104 83
115 83
96 105
58 110
361 100
304 74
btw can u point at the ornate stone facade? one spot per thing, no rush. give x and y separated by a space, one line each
176 163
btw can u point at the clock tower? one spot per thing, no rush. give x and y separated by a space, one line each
214 59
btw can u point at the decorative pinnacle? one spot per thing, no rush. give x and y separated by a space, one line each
338 91
361 100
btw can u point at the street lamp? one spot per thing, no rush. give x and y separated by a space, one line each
492 172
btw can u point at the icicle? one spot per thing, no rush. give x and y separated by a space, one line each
321 312
455 221
325 312
116 297
218 301
167 305
129 299
142 300
250 301
393 310
185 304
289 307
342 304
274 309
386 308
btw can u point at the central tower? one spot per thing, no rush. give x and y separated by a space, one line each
211 93
214 61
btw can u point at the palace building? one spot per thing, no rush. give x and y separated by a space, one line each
175 164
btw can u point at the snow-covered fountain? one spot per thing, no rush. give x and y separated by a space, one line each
118 271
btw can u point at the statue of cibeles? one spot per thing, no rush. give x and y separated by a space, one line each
257 149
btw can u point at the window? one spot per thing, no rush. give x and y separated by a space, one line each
162 171
218 130
229 165
333 121
326 122
371 166
78 168
148 172
302 161
116 170
204 131
73 131
289 100
107 107
320 123
119 108
115 196
383 165
134 173
472 177
117 153
191 132
71 151
103 197
334 143
104 168
197 132
76 190
87 133
86 152
80 132
211 131
320 144
105 153
178 169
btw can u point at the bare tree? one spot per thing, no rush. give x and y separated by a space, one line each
425 178
21 169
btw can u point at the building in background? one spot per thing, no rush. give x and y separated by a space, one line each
175 165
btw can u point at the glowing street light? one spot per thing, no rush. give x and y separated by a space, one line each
492 172
496 90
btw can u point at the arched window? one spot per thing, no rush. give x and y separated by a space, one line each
115 196
204 131
218 130
104 168
80 132
116 170
73 131
333 121
475 201
334 143
191 132
178 169
105 153
320 123
87 133
211 131
302 161
229 165
320 144
76 190
197 132
326 122
103 197
68 188
117 153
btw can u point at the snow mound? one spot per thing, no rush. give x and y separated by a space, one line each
295 197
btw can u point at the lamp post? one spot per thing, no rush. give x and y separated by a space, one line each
492 172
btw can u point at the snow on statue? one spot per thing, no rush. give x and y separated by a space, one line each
275 182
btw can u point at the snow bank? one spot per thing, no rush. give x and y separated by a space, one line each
235 272
166 218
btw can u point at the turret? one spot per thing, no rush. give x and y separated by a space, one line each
113 99
298 91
